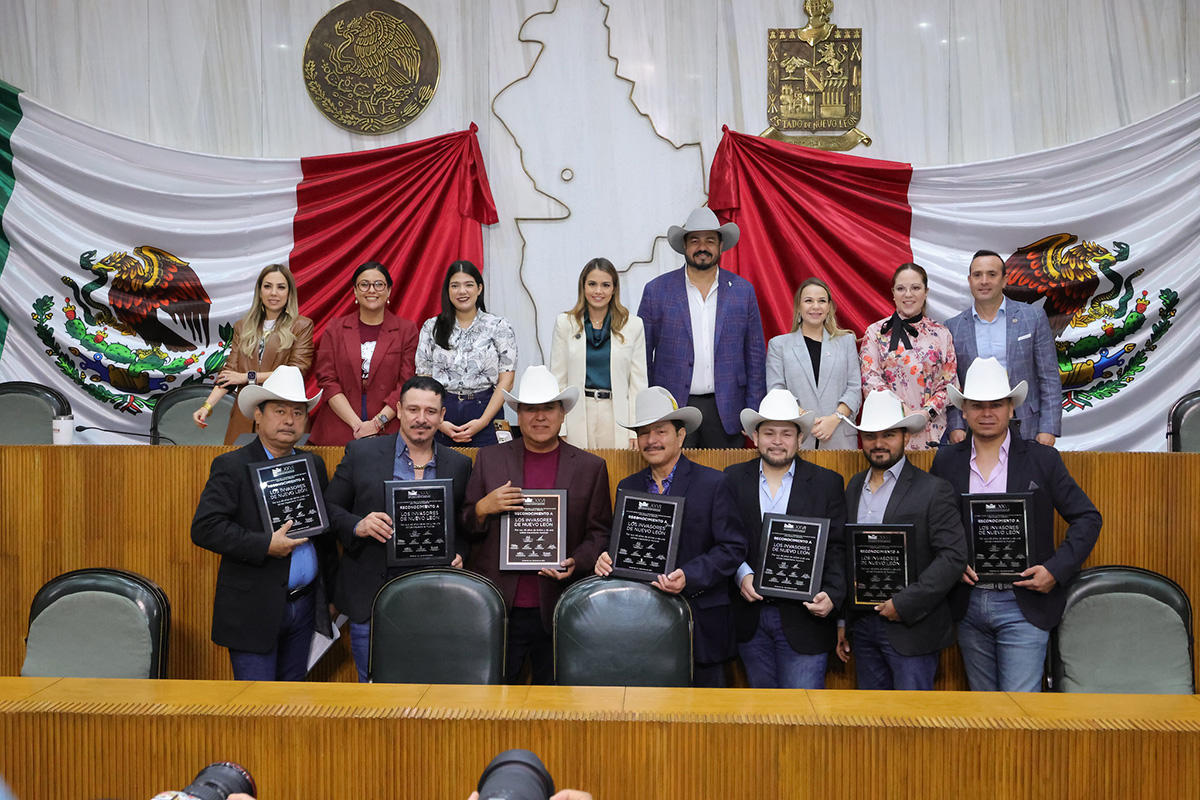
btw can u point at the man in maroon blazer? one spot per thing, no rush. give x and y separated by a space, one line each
537 460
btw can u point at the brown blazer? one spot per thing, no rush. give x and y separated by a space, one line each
589 516
339 371
299 355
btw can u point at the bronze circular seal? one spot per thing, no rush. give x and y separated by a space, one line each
371 66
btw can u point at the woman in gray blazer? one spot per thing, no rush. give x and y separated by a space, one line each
818 363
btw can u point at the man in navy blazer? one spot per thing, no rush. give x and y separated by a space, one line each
711 540
704 336
785 644
357 488
1018 336
1003 628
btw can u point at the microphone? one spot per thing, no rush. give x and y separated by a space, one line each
81 428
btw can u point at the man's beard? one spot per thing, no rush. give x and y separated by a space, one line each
774 461
891 460
716 260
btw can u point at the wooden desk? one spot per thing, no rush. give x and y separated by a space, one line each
131 739
63 508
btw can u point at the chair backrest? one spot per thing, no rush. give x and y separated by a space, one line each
26 412
438 625
98 623
172 416
1183 424
614 632
1125 630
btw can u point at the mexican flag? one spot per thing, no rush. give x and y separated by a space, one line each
123 265
1104 235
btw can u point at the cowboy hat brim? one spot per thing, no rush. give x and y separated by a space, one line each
729 236
751 419
568 397
689 416
250 397
913 423
1017 393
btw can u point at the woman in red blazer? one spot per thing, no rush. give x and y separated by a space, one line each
363 360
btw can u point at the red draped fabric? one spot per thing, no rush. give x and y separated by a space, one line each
414 208
804 212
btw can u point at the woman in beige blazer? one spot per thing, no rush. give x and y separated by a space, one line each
600 347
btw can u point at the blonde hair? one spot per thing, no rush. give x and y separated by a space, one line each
831 323
250 327
618 314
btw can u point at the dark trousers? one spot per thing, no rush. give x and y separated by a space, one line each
709 676
711 433
459 412
527 637
877 665
288 660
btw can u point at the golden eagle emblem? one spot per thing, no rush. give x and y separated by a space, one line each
371 65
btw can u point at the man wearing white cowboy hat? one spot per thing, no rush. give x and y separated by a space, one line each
704 336
1004 627
271 590
711 540
785 644
536 460
896 646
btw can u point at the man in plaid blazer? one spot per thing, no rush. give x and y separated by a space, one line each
704 336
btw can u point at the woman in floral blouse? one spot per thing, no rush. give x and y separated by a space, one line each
472 353
911 355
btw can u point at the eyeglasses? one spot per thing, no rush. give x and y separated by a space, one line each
378 286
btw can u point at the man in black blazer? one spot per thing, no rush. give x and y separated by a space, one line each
786 643
711 540
270 589
1004 628
897 642
357 488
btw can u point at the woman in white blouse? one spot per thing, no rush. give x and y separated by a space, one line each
818 363
599 346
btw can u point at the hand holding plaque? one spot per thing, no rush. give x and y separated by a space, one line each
998 535
422 515
645 535
535 537
791 556
287 489
879 562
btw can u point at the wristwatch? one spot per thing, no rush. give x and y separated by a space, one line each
251 377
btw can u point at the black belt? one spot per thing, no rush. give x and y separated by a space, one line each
471 395
995 587
295 594
599 394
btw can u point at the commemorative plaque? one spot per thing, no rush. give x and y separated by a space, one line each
645 534
998 535
287 489
535 537
879 561
791 555
422 515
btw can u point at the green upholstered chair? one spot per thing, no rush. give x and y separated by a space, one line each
98 623
1125 630
27 411
438 625
1183 424
614 632
171 421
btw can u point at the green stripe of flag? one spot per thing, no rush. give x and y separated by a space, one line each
10 117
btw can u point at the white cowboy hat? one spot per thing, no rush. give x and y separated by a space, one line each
538 385
655 404
778 406
883 411
703 219
286 384
987 380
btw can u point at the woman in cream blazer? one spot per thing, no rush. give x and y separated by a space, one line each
599 323
835 387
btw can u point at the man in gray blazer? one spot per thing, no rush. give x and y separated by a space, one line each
1018 336
897 643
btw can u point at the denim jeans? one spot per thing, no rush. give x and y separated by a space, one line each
360 647
288 661
877 665
1002 651
770 661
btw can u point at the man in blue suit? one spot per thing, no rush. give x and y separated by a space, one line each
712 542
1018 336
704 336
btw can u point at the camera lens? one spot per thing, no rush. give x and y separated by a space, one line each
218 781
515 775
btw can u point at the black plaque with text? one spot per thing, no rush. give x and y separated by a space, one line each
791 555
535 537
422 515
998 535
645 534
879 562
287 489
